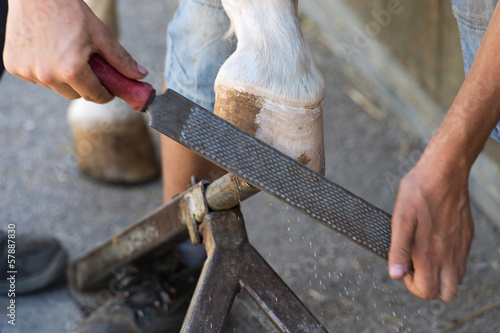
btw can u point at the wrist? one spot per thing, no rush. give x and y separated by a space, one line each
448 154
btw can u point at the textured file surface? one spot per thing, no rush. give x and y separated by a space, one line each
275 173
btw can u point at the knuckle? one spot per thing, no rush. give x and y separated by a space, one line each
401 246
17 72
428 293
448 297
16 69
403 224
9 57
449 294
406 222
100 97
102 32
70 72
46 77
123 56
427 289
72 96
429 296
449 289
90 98
400 253
10 67
107 34
106 38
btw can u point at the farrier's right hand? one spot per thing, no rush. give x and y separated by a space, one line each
50 42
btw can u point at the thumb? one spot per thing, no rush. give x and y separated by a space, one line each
403 231
120 59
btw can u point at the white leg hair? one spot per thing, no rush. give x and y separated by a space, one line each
271 86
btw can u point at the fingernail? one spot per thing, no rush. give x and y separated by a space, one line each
142 70
397 271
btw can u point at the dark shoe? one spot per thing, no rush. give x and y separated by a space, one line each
38 261
150 299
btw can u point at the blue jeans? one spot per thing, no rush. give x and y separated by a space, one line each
196 49
473 17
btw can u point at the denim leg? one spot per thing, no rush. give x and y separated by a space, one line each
473 17
196 49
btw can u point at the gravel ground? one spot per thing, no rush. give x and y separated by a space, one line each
368 149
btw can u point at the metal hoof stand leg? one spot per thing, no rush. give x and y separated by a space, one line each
234 265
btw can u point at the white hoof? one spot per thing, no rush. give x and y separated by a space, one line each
112 142
295 130
270 86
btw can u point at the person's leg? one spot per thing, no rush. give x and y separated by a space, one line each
179 164
473 17
196 49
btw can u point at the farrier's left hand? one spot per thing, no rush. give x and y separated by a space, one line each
432 228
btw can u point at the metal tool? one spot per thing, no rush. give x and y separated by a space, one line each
232 266
254 161
159 231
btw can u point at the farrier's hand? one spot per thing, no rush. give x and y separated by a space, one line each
432 228
50 42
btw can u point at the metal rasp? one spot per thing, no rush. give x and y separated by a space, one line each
254 161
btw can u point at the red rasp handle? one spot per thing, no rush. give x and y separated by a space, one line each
136 93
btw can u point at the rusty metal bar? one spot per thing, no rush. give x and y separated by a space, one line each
228 191
233 265
160 230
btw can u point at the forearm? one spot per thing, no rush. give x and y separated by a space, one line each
432 224
476 109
